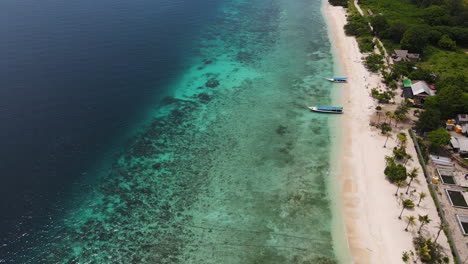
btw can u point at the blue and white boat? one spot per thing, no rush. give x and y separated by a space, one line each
338 80
327 109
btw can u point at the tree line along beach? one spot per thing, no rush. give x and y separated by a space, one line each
395 97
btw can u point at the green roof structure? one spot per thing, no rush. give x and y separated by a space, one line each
406 83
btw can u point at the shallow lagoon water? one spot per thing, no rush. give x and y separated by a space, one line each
232 167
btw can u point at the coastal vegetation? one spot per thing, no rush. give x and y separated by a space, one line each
411 222
343 3
394 171
406 204
405 257
424 220
358 26
439 137
374 62
429 251
422 196
382 97
412 175
436 32
400 153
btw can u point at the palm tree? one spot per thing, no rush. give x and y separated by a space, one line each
392 95
405 256
388 135
387 114
424 252
422 196
389 160
407 204
411 222
398 117
398 183
412 175
390 117
408 158
411 252
441 227
402 138
423 219
378 109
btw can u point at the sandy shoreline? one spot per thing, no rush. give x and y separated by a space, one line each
368 205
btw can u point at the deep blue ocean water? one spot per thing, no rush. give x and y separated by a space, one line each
75 77
165 132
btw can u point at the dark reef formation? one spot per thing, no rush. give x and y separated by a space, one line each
141 211
212 83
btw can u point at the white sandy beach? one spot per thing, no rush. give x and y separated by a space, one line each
370 209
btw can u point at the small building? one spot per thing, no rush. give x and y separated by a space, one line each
413 57
450 124
418 91
407 93
407 83
460 145
461 119
464 129
454 144
404 55
463 142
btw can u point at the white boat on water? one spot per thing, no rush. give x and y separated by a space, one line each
338 80
327 109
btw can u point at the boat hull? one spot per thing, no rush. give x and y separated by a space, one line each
315 109
336 81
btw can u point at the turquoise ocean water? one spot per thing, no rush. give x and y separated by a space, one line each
232 167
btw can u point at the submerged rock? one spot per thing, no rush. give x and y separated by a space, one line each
281 130
244 56
206 61
204 97
212 83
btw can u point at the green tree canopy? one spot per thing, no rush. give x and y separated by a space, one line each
456 6
426 3
407 204
459 34
396 31
416 38
400 153
436 15
447 43
402 138
422 74
343 3
357 26
405 257
460 80
374 62
395 172
403 68
439 137
385 127
430 252
428 120
450 101
379 24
